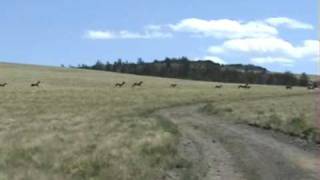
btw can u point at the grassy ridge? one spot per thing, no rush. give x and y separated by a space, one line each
290 114
76 125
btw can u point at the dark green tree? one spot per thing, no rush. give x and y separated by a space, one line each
303 79
99 65
289 79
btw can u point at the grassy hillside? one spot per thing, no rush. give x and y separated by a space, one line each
76 125
293 115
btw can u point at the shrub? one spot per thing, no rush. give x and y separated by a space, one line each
228 109
210 109
275 121
298 126
260 112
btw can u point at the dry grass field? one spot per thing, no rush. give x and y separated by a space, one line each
291 114
77 125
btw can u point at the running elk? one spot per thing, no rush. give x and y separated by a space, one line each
3 84
311 87
246 86
137 84
173 85
119 84
35 84
288 87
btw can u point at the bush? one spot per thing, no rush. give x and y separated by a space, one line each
298 126
210 109
275 121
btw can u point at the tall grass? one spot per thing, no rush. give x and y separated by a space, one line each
294 115
76 125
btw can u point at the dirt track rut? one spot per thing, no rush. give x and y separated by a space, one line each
220 150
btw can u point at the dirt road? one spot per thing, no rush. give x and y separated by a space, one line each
216 149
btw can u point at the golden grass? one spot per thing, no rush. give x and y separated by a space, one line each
76 125
291 114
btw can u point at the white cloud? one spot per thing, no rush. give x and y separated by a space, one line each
273 60
309 48
158 34
150 32
224 28
216 28
99 35
129 35
270 45
234 29
153 27
216 50
287 22
214 59
259 40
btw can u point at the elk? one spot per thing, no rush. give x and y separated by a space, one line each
310 87
137 84
173 85
288 87
35 84
246 86
119 84
218 86
3 84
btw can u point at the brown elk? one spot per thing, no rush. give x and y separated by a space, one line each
3 84
288 87
35 84
173 85
120 84
137 84
218 86
311 87
246 86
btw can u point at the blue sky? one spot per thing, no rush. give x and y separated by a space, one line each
279 35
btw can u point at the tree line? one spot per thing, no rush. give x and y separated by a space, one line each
202 70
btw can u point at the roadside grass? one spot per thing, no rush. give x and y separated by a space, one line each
293 115
76 125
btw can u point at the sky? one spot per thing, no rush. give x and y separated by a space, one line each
278 35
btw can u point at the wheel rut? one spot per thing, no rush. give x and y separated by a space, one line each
220 150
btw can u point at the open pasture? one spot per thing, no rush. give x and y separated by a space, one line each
77 125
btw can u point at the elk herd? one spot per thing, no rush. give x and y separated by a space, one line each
173 85
219 86
36 84
139 84
133 85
